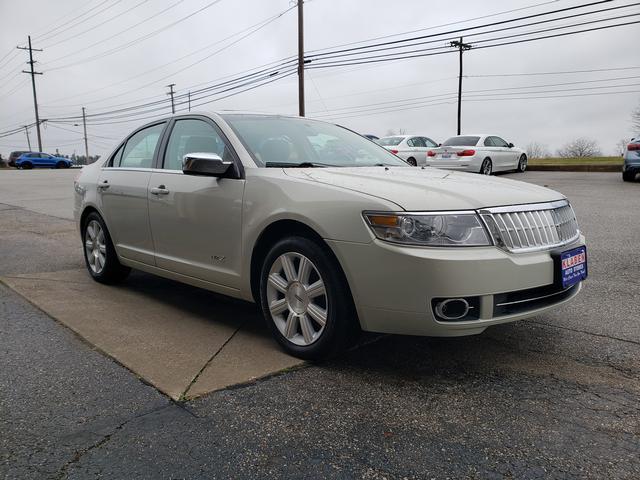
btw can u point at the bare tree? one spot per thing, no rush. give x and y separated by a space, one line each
621 146
403 131
538 150
390 133
580 147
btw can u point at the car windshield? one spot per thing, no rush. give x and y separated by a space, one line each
275 141
390 141
464 141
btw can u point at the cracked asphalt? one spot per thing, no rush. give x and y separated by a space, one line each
557 396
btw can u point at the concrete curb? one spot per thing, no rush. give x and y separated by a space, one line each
575 168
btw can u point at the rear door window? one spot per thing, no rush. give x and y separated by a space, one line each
140 147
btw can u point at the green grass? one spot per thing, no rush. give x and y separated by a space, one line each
577 161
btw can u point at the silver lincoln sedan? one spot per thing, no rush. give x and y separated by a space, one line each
328 232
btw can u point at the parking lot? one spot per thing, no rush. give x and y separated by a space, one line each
159 380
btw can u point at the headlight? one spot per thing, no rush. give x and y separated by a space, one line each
451 229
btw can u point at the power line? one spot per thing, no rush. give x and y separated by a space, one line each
134 41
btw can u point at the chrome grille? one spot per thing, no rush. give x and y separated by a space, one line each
540 226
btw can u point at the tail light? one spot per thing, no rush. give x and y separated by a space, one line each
466 153
394 151
431 153
633 146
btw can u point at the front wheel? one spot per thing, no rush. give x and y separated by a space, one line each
629 176
61 165
522 164
412 161
100 255
487 167
305 299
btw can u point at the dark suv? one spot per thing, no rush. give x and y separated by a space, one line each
14 156
631 165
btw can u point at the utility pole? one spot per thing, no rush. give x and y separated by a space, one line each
189 96
170 87
461 46
33 74
300 59
26 130
86 143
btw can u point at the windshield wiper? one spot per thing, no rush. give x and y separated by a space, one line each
297 165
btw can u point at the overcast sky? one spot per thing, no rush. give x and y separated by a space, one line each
136 74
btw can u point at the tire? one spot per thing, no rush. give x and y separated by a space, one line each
295 304
412 161
628 176
522 164
100 256
26 166
61 165
487 167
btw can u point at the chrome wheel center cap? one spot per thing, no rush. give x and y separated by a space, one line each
297 298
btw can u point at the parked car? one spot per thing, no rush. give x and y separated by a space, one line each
30 160
13 156
412 148
478 153
631 165
328 232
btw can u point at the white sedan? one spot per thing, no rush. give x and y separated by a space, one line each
478 153
411 148
326 231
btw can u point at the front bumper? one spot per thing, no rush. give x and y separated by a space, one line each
394 286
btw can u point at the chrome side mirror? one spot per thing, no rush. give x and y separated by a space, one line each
202 163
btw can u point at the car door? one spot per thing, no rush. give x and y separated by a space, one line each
506 154
196 221
122 191
511 155
35 159
48 160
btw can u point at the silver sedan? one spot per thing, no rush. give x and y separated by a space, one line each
326 231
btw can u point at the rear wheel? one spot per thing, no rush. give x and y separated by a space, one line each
629 176
305 299
487 167
99 254
412 161
26 166
522 164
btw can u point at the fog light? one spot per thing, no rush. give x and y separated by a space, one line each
452 308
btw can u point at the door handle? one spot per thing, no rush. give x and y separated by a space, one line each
104 185
159 190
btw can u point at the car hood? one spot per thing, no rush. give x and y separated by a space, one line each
418 189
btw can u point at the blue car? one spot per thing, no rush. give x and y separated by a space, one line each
41 160
631 165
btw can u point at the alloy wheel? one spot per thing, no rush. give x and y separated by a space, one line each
523 164
95 246
486 167
297 299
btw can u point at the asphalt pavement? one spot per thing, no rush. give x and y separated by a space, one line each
556 396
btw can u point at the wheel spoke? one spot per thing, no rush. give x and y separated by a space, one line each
307 329
102 248
304 269
319 314
98 263
88 244
316 289
278 282
91 231
287 266
291 328
278 306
